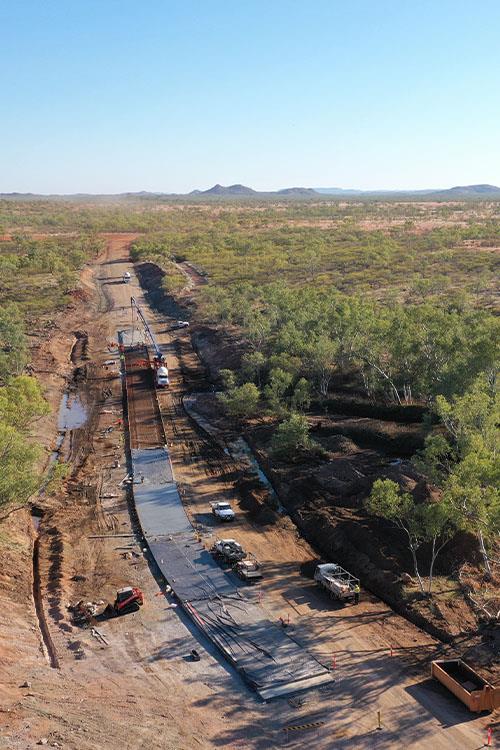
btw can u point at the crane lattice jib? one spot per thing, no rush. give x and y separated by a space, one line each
149 332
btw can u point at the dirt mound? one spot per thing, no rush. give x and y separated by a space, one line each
391 437
359 406
256 500
339 444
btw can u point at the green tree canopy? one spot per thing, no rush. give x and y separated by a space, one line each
21 402
465 463
242 400
17 458
419 522
13 343
291 436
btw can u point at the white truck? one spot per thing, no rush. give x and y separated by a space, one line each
222 511
161 377
339 583
126 277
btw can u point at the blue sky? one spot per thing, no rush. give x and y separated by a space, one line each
114 95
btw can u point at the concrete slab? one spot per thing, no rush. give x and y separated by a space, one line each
190 569
157 500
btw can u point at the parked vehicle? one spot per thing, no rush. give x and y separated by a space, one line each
339 583
126 277
477 694
223 511
180 324
248 570
228 550
162 379
128 599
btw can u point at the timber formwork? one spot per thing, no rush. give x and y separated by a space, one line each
145 425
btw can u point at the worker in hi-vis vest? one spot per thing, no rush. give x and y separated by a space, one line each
356 593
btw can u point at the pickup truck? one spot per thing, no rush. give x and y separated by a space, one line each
339 583
162 379
222 511
228 550
248 570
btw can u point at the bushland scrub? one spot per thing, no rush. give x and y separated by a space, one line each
37 277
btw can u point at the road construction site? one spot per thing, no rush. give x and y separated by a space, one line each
149 524
267 657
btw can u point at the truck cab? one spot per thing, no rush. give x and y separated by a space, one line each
126 277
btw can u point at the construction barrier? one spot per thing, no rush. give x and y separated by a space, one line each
302 727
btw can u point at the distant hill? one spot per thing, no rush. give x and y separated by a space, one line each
472 190
230 192
297 191
242 191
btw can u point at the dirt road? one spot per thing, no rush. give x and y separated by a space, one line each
138 688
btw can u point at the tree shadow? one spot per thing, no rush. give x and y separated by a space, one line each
442 704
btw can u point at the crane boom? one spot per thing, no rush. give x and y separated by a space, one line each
159 359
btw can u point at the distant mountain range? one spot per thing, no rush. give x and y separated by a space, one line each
239 191
460 192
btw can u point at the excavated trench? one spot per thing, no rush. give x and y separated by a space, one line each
47 644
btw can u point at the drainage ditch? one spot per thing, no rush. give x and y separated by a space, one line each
71 416
47 644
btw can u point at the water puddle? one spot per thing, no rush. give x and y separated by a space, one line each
241 451
72 413
36 518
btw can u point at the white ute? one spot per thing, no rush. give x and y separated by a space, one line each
126 277
162 380
222 511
